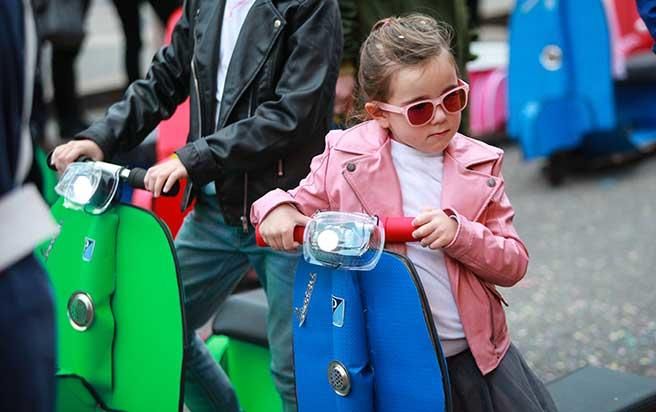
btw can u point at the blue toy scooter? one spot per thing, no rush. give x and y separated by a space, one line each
364 338
564 103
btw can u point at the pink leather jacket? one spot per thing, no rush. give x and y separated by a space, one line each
356 173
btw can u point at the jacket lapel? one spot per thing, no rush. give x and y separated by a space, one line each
261 28
465 190
371 173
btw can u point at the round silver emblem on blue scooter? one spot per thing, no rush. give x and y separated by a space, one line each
339 378
80 311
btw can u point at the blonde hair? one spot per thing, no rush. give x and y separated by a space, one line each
398 42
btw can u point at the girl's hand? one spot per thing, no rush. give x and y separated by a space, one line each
434 228
277 228
161 177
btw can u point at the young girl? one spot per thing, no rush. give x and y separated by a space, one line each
410 160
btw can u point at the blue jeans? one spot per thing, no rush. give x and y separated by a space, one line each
213 257
27 349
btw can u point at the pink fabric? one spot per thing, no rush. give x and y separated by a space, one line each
355 173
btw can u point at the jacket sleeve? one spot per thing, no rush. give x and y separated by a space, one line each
147 102
303 94
351 31
309 197
491 249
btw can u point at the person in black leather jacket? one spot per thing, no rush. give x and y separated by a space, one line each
258 115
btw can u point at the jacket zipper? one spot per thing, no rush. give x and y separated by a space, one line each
193 73
243 218
281 169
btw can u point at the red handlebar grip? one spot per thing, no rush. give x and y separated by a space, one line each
398 229
299 231
258 237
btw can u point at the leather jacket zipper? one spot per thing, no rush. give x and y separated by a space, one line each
244 218
281 169
195 77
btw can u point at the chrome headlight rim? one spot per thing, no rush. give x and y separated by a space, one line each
343 240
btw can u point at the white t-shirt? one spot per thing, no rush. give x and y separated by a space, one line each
234 15
420 176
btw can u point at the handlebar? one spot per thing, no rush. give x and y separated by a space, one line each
134 177
397 230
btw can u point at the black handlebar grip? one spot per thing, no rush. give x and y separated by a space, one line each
49 161
136 180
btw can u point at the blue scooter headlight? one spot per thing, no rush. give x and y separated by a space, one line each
89 185
343 240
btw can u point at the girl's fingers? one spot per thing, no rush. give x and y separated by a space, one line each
430 238
288 241
424 230
439 243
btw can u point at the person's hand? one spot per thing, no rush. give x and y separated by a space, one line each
277 228
434 228
161 177
344 94
65 154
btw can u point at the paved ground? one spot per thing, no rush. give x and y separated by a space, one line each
589 295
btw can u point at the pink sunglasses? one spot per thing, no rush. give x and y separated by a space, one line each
420 113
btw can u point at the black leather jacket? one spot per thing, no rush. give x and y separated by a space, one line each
276 106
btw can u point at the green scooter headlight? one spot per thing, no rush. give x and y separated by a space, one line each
90 186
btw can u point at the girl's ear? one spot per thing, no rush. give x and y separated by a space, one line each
377 114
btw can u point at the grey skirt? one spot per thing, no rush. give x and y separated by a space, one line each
512 386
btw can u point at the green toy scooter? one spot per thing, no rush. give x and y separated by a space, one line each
119 311
119 305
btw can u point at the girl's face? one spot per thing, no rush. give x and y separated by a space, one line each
415 83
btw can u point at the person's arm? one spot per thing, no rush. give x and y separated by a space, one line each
491 249
647 10
347 70
149 101
305 85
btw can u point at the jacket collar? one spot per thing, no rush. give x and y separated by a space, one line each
467 191
368 137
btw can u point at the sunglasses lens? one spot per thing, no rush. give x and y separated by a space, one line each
455 101
420 113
